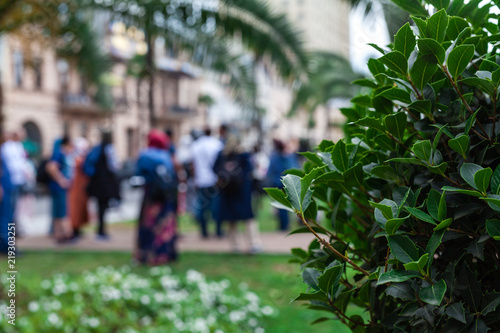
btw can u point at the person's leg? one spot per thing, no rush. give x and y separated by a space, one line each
232 235
253 235
202 205
5 206
283 216
102 205
216 210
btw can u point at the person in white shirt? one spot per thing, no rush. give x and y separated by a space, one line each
204 153
15 156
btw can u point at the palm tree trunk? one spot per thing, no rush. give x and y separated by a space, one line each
151 78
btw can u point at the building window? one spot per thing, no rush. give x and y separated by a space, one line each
37 68
18 69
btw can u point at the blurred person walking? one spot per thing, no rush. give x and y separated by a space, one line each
205 151
278 163
5 206
157 229
15 160
101 166
234 170
78 197
60 169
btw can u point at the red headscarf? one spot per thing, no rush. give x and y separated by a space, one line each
158 139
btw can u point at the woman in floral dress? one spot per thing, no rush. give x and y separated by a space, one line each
158 217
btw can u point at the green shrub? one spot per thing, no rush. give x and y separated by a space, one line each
117 300
410 202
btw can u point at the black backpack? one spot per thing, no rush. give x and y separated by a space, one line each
230 174
42 175
163 184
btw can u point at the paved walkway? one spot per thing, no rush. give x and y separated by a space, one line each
123 239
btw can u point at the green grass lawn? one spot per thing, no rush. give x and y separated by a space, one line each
270 276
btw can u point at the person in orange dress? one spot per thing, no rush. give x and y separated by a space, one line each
78 198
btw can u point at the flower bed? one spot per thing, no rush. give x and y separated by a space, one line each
118 300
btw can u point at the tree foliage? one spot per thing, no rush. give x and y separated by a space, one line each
409 228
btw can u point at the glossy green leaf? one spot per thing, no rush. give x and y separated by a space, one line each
310 277
439 169
433 244
436 26
420 215
339 156
413 7
433 203
493 228
467 171
365 83
392 225
444 224
278 195
317 296
493 201
329 280
459 59
384 172
409 160
440 4
404 40
354 176
455 26
482 179
422 26
403 248
456 311
386 209
419 265
371 122
397 276
293 191
396 124
422 106
395 61
423 150
495 181
495 78
478 326
396 94
433 294
422 71
429 46
460 144
314 158
490 302
458 190
402 290
484 85
442 211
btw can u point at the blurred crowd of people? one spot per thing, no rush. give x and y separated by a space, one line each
214 177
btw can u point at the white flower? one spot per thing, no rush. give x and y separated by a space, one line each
33 306
54 319
222 309
267 310
243 286
145 299
56 305
259 330
146 321
236 316
93 322
45 284
253 322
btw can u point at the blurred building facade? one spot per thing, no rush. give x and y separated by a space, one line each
48 97
325 27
